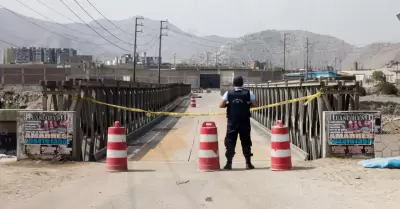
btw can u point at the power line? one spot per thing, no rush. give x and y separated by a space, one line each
65 15
15 36
151 40
150 47
91 27
25 18
99 23
195 37
109 20
30 8
6 42
193 42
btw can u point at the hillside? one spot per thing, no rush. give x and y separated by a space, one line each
21 32
323 50
265 45
268 45
374 55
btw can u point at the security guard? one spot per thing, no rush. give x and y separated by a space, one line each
238 102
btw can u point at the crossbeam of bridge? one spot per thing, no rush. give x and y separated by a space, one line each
304 121
93 119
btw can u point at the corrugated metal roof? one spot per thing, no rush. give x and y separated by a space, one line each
314 74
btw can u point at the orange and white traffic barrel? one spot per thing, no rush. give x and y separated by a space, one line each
117 154
281 158
192 101
208 152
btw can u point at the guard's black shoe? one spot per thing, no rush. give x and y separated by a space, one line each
228 166
249 166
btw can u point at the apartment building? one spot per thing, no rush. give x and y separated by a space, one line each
146 61
9 55
23 55
49 55
38 55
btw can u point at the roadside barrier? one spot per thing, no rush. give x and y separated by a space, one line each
281 159
208 153
117 154
192 101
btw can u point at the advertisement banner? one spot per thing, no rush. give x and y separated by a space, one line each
45 135
352 133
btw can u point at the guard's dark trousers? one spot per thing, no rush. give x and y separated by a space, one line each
243 129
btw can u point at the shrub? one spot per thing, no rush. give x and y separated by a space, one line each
387 88
379 76
362 91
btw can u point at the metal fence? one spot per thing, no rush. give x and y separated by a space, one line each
304 122
93 119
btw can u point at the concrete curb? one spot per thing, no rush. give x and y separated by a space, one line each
295 150
140 131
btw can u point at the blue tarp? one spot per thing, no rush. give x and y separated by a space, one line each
389 162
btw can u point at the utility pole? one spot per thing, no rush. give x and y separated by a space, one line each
216 59
307 48
207 53
159 47
135 47
284 51
335 69
174 59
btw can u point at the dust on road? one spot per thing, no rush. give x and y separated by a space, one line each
24 179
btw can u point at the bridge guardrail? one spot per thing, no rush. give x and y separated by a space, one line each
93 119
304 122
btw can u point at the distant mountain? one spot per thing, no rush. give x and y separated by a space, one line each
375 55
268 46
18 31
182 46
323 50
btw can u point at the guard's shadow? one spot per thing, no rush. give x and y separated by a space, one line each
302 168
243 169
134 171
294 168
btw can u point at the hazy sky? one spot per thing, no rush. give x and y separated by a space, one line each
356 21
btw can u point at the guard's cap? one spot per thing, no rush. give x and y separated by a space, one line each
237 81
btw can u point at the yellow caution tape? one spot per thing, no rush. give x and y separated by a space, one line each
149 113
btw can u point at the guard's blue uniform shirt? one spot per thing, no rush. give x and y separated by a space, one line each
225 96
238 109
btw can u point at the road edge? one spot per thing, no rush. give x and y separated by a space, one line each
295 150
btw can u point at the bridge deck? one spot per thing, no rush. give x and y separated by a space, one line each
164 175
177 139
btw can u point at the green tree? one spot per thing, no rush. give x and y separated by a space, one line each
379 76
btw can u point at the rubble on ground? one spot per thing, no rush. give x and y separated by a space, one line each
390 108
20 100
5 156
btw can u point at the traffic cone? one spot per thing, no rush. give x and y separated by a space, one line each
281 158
117 156
193 101
208 152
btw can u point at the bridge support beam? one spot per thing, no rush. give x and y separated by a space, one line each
93 118
304 122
